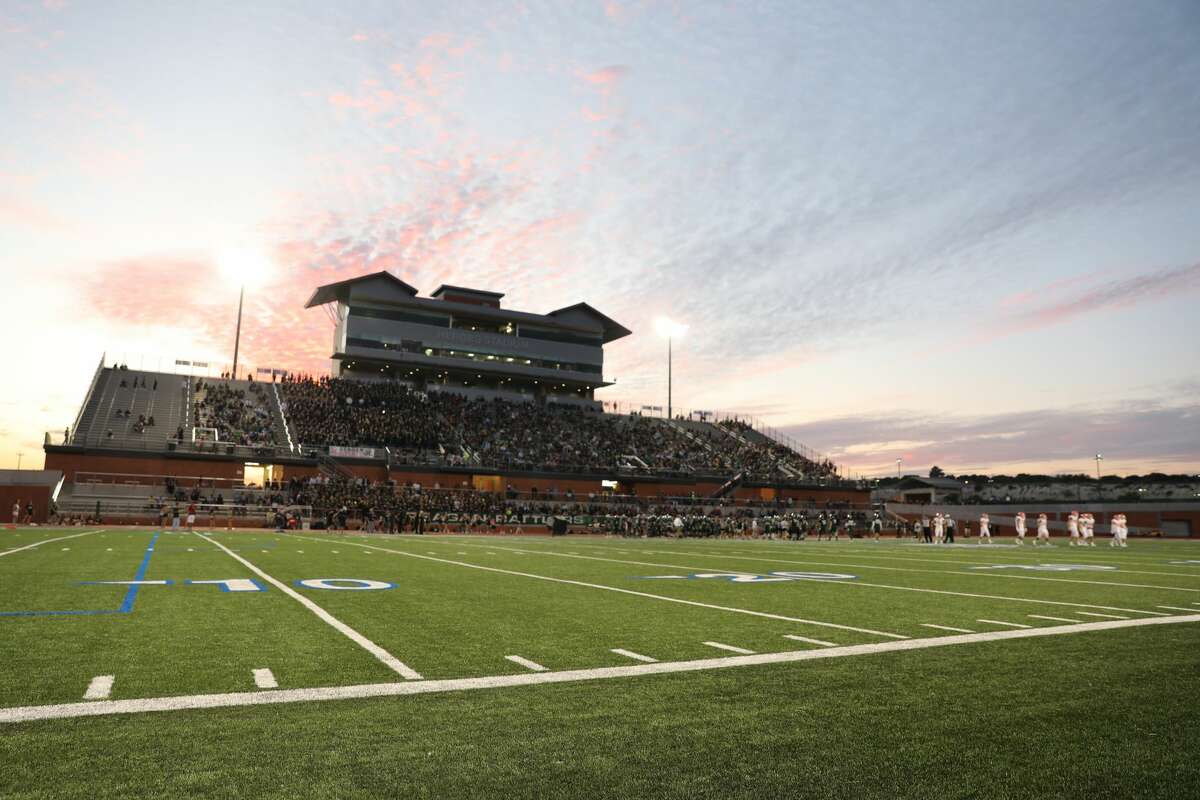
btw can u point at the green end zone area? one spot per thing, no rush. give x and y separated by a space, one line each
246 662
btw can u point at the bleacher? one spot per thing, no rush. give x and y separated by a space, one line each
420 428
103 422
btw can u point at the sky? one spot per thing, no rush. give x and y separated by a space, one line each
954 233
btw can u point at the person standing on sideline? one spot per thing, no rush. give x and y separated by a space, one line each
1019 524
939 528
1043 531
985 530
175 517
191 516
17 513
29 512
1073 527
949 529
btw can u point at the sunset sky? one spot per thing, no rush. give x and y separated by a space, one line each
956 233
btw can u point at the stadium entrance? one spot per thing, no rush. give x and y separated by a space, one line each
258 475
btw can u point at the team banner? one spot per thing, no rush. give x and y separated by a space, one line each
352 452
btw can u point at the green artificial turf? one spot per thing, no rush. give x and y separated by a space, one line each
1112 713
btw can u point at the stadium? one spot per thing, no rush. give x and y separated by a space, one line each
451 507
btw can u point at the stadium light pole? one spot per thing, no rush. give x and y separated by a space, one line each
237 336
1099 458
247 266
897 468
670 330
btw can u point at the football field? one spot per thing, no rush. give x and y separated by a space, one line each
140 662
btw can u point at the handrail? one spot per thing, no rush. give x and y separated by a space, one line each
87 397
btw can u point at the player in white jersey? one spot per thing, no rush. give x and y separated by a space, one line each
1088 530
1120 531
939 528
985 532
1073 527
1019 524
1043 530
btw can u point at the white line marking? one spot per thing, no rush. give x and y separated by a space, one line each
237 699
1002 622
1055 619
1106 616
1175 608
265 679
65 549
730 648
108 549
100 688
843 583
664 598
383 655
889 557
527 664
809 641
48 541
946 628
634 656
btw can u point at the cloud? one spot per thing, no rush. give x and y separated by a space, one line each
29 215
1133 436
1109 295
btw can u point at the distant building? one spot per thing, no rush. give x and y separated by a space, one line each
914 489
461 339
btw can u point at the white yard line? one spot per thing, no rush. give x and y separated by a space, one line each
945 628
527 664
100 688
634 656
383 655
807 640
634 593
1002 622
1176 608
848 583
48 541
277 696
1054 619
993 557
730 648
265 679
1106 616
975 573
864 550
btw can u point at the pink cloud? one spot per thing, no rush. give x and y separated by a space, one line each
1115 294
29 215
371 103
1081 300
606 76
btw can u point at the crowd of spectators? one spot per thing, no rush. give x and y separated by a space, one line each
526 435
344 503
240 416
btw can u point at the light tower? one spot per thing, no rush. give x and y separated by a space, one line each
670 330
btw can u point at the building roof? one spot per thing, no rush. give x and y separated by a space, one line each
917 482
612 328
341 290
580 317
30 477
445 287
